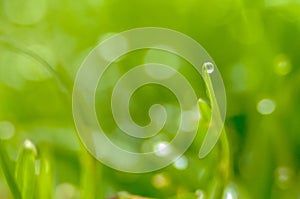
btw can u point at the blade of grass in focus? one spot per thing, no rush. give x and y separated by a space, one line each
215 129
7 167
224 152
25 170
206 112
217 184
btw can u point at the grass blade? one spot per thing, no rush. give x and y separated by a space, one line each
25 170
92 186
223 173
63 81
125 195
216 124
7 165
45 181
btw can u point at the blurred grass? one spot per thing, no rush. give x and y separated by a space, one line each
255 45
25 172
7 167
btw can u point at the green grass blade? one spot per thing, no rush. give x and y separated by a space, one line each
222 147
25 170
7 165
88 180
45 180
92 185
205 110
125 195
216 124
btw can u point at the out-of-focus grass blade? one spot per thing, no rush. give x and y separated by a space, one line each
215 190
45 181
25 170
7 167
187 196
125 195
64 81
88 180
92 185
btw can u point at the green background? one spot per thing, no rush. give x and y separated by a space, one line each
255 45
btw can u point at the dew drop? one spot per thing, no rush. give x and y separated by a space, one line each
209 67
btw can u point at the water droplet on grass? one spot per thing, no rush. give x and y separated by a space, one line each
209 67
